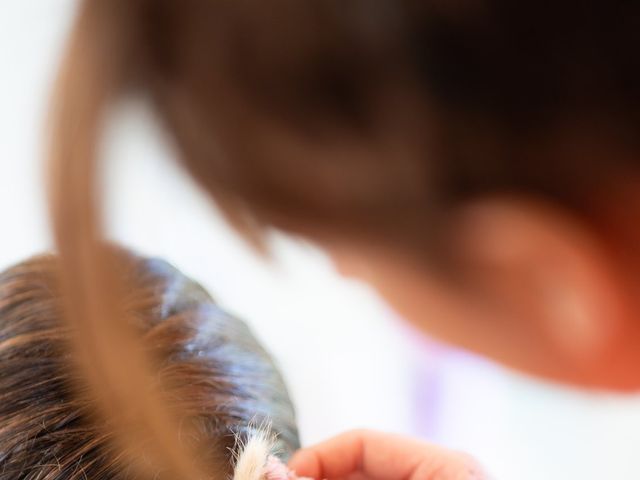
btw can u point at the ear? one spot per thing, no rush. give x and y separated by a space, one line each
545 267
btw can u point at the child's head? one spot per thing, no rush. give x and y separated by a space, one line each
221 381
475 160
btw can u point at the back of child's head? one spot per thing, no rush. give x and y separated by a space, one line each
221 381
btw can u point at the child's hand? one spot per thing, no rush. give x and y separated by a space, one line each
369 455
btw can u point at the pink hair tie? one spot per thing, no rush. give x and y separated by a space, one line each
275 469
255 461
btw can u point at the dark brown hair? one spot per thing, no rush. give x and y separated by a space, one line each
220 380
376 117
366 119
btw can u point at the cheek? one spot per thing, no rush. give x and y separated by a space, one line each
498 316
430 305
478 323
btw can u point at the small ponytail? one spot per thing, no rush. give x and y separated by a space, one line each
99 63
255 460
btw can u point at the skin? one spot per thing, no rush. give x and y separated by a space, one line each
369 455
535 288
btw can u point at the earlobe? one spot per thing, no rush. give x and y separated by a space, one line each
551 270
350 264
344 265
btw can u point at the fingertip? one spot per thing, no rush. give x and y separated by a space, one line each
305 463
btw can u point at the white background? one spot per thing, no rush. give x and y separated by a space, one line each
347 358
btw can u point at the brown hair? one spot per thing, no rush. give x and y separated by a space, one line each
353 118
223 382
374 118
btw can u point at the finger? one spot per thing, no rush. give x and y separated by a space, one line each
381 456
